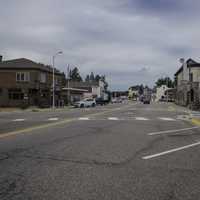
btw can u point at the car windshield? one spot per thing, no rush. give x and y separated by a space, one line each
100 100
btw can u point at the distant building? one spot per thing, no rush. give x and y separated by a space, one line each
89 90
25 82
134 92
187 80
161 94
116 94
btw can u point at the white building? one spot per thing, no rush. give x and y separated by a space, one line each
160 92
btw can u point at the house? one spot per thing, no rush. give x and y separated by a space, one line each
187 80
134 92
161 94
72 95
78 90
25 82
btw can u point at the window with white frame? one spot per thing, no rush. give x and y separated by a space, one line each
23 76
43 77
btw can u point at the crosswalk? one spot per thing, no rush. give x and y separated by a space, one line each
132 118
111 118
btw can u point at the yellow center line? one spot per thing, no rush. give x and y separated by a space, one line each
29 129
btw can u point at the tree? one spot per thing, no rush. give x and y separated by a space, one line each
87 79
165 81
75 75
92 77
141 89
103 78
97 78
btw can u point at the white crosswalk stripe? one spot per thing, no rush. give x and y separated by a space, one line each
53 119
83 118
142 118
18 120
166 119
113 118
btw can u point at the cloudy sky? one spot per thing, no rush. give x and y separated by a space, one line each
130 41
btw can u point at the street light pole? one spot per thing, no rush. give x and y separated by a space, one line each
167 89
68 92
53 95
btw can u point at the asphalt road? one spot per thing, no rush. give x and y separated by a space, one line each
124 151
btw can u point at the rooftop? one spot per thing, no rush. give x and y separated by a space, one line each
190 63
24 63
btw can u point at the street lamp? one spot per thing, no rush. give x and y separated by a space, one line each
54 56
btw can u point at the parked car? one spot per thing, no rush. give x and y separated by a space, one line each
101 101
85 103
119 100
116 100
147 99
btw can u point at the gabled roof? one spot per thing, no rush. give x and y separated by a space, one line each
23 63
190 63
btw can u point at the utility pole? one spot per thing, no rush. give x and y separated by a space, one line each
53 96
68 92
167 89
53 87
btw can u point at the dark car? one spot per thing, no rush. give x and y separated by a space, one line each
146 99
101 101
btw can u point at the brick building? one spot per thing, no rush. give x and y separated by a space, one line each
25 82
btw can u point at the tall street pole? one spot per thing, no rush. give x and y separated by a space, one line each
68 92
53 95
53 103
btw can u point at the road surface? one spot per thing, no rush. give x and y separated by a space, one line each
121 152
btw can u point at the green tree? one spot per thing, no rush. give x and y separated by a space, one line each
165 81
97 78
103 78
92 77
87 78
75 75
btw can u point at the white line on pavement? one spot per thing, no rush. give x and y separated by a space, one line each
83 118
173 131
141 118
18 120
167 119
170 151
53 119
113 118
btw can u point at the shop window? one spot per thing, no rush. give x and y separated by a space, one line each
15 94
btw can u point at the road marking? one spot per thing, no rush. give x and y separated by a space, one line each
83 118
18 120
43 126
53 119
141 118
196 121
167 119
113 118
170 151
173 131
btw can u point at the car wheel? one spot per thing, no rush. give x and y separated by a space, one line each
93 105
82 106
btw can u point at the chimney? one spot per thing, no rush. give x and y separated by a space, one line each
185 69
1 58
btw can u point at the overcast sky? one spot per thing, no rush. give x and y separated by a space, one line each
130 41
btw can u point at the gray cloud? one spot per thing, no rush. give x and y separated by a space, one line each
131 41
